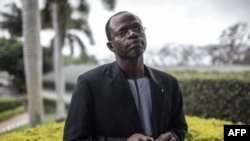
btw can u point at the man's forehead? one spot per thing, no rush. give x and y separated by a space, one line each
123 18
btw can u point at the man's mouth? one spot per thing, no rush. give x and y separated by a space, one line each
135 43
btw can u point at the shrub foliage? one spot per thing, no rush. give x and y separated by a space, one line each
11 56
10 113
199 130
222 95
7 103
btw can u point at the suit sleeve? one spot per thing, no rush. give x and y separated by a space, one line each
79 124
79 121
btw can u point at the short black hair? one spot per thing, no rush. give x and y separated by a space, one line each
108 22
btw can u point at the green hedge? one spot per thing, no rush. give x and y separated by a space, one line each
199 130
51 85
215 94
7 103
11 112
50 105
222 95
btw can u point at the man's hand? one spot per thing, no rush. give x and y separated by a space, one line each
166 137
139 137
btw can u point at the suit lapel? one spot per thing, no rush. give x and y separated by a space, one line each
119 84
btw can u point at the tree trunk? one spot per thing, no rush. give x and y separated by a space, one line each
32 52
58 63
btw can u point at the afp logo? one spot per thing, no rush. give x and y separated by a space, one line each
237 132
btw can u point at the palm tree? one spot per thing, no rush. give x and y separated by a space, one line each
59 27
13 21
33 60
61 14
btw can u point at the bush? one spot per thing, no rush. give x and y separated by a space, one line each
222 99
50 105
11 56
11 112
208 95
211 94
199 130
7 103
9 106
51 132
215 94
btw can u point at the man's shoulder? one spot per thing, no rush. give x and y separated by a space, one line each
160 73
97 71
162 78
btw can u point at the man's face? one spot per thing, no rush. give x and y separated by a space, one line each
128 37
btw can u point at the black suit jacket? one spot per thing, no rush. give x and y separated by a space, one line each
102 106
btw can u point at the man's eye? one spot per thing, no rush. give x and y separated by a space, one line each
140 29
137 29
122 33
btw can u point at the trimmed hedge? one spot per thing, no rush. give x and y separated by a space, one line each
7 103
199 130
50 105
11 106
222 95
11 112
222 99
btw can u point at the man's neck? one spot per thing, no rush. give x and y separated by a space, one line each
133 68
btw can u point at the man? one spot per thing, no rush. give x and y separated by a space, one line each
126 100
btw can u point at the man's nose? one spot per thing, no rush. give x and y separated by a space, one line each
132 32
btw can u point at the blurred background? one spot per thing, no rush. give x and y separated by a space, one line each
205 44
178 32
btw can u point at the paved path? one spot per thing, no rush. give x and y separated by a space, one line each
14 122
23 118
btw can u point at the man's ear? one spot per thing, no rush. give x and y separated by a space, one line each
110 46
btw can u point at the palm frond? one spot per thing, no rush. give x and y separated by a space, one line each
80 43
74 38
46 15
109 4
89 34
83 7
83 25
12 21
7 15
70 37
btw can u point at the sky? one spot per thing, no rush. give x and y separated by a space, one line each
194 22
